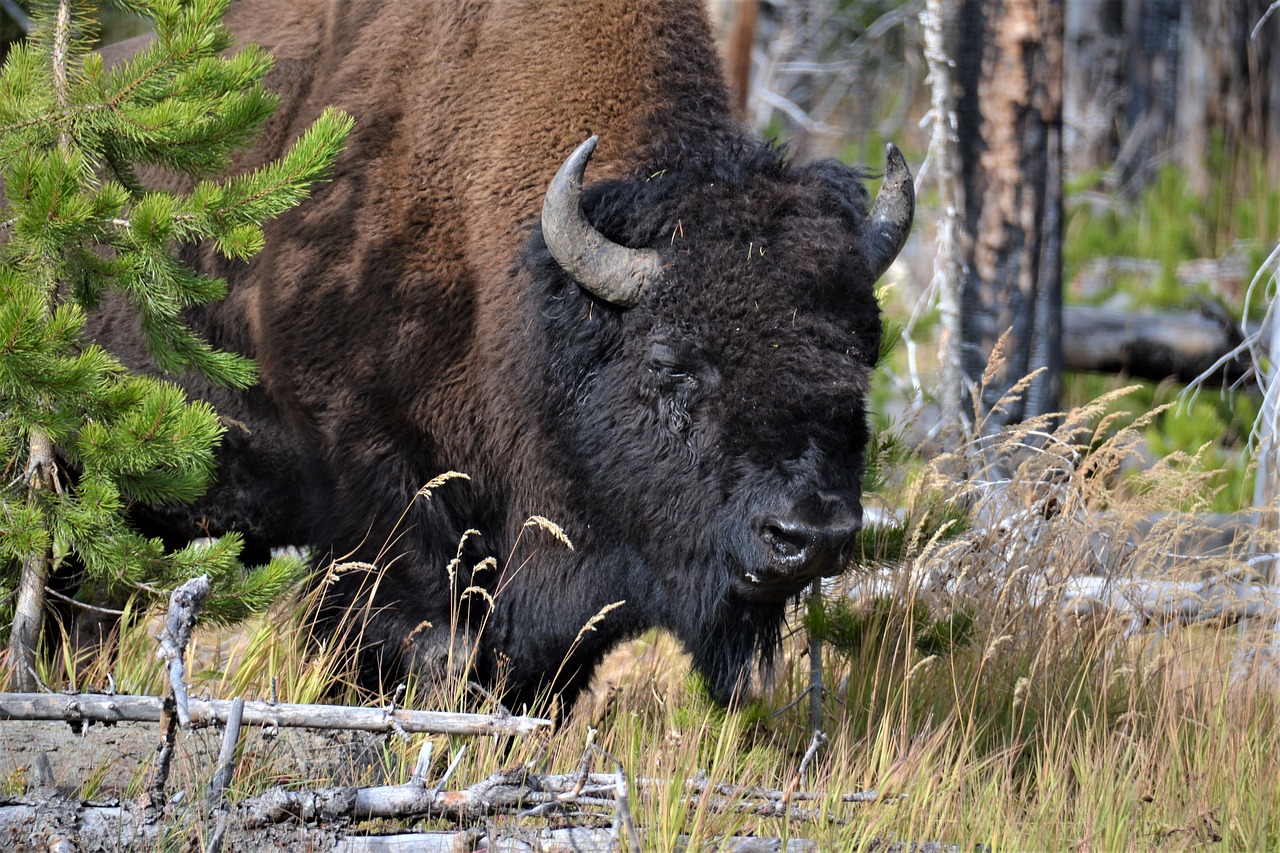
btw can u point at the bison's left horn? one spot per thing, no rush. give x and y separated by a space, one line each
612 272
889 222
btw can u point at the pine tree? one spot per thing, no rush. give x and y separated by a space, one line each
80 436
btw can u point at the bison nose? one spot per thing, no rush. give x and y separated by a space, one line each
803 546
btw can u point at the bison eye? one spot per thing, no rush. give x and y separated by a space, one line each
672 371
664 361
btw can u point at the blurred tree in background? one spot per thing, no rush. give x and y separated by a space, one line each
1009 126
1156 120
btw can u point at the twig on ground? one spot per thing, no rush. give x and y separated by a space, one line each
423 766
453 765
227 755
819 738
622 809
587 752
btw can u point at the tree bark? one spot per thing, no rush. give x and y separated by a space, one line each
1149 82
28 616
1151 88
1092 82
937 20
1229 85
1009 117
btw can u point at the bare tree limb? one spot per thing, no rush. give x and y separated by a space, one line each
108 708
947 265
184 609
227 755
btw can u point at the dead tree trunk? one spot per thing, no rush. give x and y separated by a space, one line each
1230 85
1092 85
1009 122
1151 88
1151 82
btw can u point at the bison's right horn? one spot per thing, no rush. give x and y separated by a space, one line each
887 225
611 272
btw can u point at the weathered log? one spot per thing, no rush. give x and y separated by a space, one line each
572 840
104 708
1149 345
1182 601
319 815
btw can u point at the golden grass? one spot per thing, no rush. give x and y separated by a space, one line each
961 690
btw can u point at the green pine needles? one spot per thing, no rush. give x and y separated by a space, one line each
81 438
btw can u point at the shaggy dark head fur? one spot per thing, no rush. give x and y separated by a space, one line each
716 430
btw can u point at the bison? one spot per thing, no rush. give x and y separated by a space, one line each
667 353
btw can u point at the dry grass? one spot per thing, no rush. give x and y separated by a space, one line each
961 689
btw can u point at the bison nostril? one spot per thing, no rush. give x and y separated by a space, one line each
799 543
788 539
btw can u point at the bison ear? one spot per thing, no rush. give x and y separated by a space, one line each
603 268
889 223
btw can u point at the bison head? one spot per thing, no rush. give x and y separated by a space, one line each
708 331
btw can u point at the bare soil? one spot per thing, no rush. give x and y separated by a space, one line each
114 761
55 782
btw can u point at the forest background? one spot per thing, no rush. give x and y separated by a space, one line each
1099 177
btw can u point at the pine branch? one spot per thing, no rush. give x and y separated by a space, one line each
78 220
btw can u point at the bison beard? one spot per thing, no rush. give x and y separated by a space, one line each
673 366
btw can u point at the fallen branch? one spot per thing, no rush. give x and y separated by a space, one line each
185 603
571 840
698 784
122 826
512 791
1182 601
499 793
104 708
322 815
819 738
